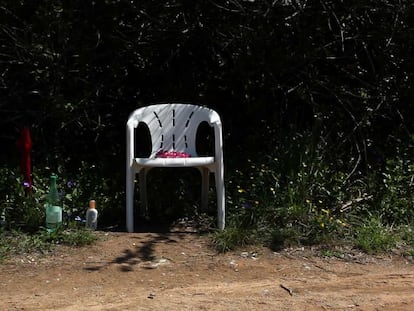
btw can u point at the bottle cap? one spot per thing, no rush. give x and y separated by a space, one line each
92 204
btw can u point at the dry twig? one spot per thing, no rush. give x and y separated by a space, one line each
287 289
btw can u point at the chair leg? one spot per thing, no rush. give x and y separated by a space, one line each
221 208
130 179
143 192
205 176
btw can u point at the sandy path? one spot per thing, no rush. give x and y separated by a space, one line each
149 271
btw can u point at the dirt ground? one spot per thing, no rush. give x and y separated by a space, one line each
180 271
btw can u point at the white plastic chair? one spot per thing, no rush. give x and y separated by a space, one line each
173 128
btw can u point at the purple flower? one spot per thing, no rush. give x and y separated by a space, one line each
70 184
247 205
26 184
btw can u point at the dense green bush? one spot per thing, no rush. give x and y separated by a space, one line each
297 195
397 200
316 99
26 211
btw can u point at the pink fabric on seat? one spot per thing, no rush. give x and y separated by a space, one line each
172 154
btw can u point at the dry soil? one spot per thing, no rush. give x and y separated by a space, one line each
180 271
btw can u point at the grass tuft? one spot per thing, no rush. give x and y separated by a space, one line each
231 238
16 242
374 237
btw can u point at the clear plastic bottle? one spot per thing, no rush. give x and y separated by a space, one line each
53 207
92 216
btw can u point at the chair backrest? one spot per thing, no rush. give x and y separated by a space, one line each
173 127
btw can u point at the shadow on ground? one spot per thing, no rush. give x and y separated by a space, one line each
142 251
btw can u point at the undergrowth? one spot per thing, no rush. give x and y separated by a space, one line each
291 196
301 195
15 242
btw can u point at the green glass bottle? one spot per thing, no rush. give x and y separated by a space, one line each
53 207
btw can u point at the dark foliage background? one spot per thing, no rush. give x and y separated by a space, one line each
322 84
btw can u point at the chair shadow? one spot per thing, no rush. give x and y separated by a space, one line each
144 253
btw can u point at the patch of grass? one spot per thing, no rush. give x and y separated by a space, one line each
231 238
16 242
373 237
71 237
284 237
328 252
407 235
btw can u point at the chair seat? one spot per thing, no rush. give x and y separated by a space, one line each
174 162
